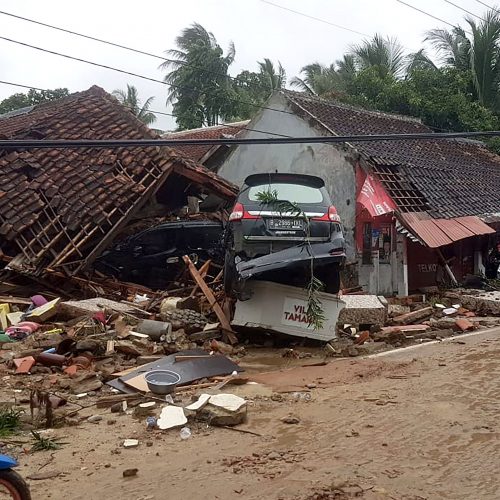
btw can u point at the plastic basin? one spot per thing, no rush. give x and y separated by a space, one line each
162 381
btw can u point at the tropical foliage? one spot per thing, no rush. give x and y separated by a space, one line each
130 99
32 97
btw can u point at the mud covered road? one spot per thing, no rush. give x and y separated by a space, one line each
416 424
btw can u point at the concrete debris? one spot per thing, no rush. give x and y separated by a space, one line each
362 310
170 417
228 402
131 443
414 316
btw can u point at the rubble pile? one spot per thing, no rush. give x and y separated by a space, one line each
60 357
408 320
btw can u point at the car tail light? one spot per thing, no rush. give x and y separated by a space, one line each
330 216
240 213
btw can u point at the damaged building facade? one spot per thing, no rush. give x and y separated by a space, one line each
60 208
415 213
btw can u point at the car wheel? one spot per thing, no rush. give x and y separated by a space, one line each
230 273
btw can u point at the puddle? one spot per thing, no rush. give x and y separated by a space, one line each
269 359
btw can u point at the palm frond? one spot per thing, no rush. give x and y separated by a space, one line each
419 61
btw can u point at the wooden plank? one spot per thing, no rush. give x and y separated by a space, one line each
226 326
14 300
203 270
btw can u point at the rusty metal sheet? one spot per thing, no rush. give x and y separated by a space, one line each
440 232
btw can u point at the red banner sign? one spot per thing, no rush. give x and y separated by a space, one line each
374 198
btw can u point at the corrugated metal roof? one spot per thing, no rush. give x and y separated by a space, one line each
440 232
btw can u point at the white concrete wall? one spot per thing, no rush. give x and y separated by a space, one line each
334 164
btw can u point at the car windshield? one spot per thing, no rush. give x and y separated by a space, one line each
295 193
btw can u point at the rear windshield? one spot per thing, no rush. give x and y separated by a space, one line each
294 193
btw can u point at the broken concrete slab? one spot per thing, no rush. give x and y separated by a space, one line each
170 417
200 403
77 308
218 416
362 310
484 302
228 402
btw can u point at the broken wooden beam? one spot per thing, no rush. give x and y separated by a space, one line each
224 321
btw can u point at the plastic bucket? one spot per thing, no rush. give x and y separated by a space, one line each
162 381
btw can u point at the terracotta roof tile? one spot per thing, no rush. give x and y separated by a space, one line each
446 178
197 152
81 186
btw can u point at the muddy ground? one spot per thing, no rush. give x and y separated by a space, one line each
420 423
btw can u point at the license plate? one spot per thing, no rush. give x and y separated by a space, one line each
290 224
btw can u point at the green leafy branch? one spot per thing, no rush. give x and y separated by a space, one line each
315 313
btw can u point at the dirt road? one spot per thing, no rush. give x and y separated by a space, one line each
417 424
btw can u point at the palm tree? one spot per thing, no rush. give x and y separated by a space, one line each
130 99
452 46
485 57
419 61
199 83
318 79
272 79
479 53
384 54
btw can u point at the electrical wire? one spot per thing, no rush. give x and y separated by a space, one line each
464 10
126 47
429 15
105 66
335 139
315 18
488 6
153 111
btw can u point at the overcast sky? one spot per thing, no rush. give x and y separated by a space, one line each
257 29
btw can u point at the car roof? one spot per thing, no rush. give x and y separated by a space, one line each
302 179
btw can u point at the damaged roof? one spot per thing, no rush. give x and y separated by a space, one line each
444 178
58 207
199 152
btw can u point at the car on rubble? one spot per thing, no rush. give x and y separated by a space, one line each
279 224
153 257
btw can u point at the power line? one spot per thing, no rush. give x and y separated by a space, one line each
314 18
488 6
120 143
23 86
105 66
464 10
153 111
125 47
429 15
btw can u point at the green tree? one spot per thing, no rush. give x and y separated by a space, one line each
130 99
317 79
254 88
384 54
31 98
270 77
201 92
479 54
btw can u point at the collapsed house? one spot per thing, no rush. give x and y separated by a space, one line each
415 213
60 208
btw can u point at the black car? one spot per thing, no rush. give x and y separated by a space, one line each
279 224
153 257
